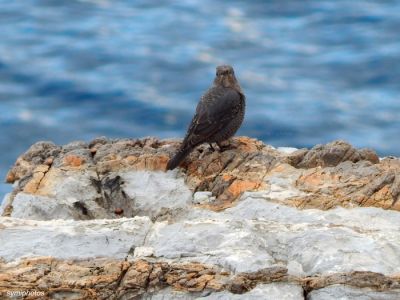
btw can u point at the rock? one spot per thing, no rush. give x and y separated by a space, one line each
259 234
35 207
331 155
324 177
256 242
80 196
156 194
347 292
103 220
6 204
169 293
69 239
203 198
287 150
270 291
143 252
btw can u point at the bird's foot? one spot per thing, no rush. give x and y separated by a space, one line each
224 147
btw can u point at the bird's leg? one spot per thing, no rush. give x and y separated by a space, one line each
222 147
211 147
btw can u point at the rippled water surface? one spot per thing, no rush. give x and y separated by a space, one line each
313 71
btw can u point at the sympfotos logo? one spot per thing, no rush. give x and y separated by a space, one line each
32 293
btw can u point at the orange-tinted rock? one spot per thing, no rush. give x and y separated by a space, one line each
240 186
101 278
49 161
10 178
73 161
324 177
38 174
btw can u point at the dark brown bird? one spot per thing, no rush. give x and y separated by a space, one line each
218 116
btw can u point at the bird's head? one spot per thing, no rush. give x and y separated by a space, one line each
225 77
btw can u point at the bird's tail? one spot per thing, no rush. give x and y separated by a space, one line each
176 160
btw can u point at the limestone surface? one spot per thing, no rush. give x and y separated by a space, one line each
69 239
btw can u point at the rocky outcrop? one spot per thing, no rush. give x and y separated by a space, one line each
103 220
102 174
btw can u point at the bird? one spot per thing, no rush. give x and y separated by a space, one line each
219 114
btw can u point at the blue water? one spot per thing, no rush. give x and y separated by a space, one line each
313 71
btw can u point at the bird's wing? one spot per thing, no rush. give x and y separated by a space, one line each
215 110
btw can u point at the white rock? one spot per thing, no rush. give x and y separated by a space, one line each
258 234
143 252
223 242
338 240
342 292
255 234
287 150
282 185
272 291
67 189
70 239
73 196
156 193
203 197
6 201
168 294
34 207
75 186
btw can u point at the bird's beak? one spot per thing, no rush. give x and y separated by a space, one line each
227 80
